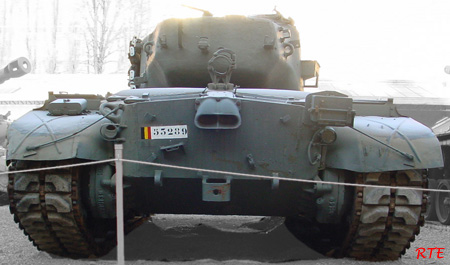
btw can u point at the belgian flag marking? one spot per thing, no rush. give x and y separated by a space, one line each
146 133
164 132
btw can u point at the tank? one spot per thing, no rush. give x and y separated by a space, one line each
4 123
16 68
439 178
223 96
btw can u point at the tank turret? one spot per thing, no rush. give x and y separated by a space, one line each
267 49
16 68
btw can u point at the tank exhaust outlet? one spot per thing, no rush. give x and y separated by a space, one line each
218 113
109 131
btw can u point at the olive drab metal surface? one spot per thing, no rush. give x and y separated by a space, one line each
223 94
267 49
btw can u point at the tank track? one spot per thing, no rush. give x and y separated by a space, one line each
48 207
385 221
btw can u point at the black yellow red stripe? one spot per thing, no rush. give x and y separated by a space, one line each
146 133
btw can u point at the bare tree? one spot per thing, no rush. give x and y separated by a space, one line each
5 37
103 30
138 25
53 52
141 10
31 33
74 47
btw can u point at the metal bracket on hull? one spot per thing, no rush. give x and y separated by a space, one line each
158 178
216 190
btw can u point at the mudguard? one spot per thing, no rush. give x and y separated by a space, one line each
412 146
32 137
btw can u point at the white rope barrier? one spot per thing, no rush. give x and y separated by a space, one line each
226 173
58 167
279 178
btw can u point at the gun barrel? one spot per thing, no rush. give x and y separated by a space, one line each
17 68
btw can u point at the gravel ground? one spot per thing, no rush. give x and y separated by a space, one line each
209 240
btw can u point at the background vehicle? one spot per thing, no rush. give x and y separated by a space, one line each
17 68
439 203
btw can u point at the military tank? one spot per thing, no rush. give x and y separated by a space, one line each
224 96
438 202
4 123
16 68
439 178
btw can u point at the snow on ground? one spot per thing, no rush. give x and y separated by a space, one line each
35 87
23 94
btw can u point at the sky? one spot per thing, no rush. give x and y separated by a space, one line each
357 39
351 39
356 42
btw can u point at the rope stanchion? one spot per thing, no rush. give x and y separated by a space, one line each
118 150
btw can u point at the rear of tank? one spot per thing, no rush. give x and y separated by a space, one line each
266 136
268 140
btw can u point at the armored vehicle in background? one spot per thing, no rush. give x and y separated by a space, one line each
17 68
439 178
4 123
222 96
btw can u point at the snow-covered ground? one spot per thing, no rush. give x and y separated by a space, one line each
20 95
23 94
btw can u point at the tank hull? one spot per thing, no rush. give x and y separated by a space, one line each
216 148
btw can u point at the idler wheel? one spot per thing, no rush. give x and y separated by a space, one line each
442 202
430 214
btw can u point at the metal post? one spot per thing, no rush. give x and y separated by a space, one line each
118 148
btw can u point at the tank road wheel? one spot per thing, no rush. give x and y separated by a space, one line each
49 208
381 224
430 214
324 238
442 202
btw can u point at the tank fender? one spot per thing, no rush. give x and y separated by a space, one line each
32 137
411 145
